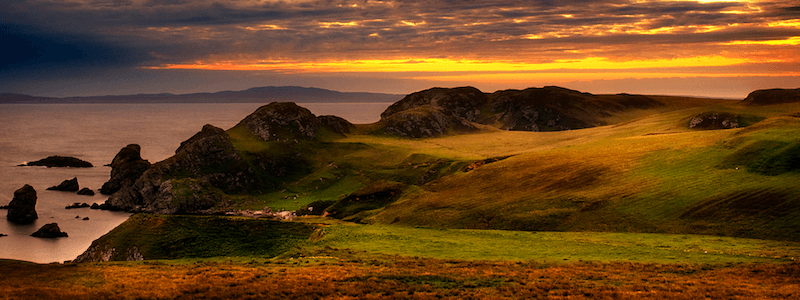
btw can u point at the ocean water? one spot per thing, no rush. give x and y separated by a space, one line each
95 133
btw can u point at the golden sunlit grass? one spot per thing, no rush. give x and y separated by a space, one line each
346 277
643 175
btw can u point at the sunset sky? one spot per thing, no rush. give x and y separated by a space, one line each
99 47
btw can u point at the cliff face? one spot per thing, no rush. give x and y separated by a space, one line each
438 111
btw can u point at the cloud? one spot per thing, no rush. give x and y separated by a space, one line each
86 34
29 49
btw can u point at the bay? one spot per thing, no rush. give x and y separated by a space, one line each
95 133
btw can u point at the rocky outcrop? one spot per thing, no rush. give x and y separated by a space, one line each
438 111
96 253
463 102
69 185
772 96
281 120
49 231
22 209
335 124
714 120
126 167
86 192
425 121
192 181
60 162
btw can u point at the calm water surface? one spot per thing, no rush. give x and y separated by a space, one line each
95 133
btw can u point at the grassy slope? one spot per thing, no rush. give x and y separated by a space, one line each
171 237
647 173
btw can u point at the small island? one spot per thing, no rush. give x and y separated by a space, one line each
59 162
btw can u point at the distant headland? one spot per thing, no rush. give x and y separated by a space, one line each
254 95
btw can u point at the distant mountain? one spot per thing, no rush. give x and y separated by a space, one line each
253 95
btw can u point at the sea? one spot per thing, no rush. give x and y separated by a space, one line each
95 133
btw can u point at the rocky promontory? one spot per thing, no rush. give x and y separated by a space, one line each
126 167
22 209
207 167
60 162
203 162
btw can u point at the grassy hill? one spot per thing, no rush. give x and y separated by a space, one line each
645 208
646 173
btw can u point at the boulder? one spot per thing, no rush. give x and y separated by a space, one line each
22 209
86 192
49 231
70 185
1 235
60 162
714 120
126 167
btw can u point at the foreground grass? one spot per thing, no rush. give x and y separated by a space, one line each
380 277
551 247
330 259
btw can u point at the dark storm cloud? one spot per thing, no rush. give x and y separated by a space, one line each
152 32
28 49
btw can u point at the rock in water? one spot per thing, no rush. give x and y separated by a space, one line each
126 167
60 162
86 192
22 209
70 185
49 231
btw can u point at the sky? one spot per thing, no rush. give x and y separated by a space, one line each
706 48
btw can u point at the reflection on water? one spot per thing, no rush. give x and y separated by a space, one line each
95 133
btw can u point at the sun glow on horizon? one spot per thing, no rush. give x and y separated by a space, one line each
454 65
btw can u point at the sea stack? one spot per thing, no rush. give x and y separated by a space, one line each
22 209
126 167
